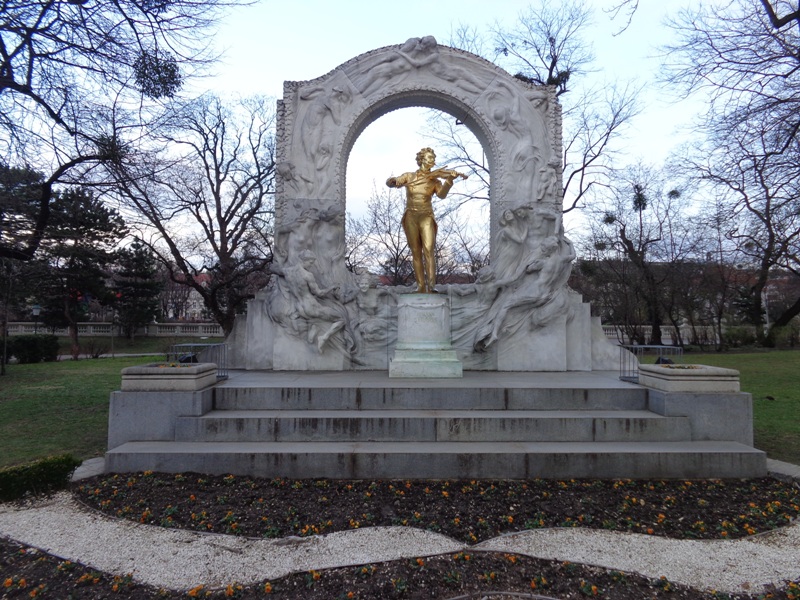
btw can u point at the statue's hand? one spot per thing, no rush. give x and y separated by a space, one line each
391 182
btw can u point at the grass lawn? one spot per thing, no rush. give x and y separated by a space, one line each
57 407
51 408
773 377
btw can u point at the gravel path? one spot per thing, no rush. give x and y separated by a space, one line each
744 565
179 559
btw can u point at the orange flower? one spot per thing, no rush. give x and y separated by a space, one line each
8 583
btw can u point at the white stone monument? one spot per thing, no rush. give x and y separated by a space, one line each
519 315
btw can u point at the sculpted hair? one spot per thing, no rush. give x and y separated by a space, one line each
423 151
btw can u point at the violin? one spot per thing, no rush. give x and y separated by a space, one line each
445 172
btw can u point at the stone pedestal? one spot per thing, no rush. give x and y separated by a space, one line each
169 377
689 378
423 338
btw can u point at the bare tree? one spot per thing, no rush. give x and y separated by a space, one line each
465 250
592 126
777 20
73 73
721 277
380 236
548 46
750 71
748 64
174 296
759 191
207 191
627 8
645 224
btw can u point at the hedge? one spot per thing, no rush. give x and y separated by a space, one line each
34 348
45 475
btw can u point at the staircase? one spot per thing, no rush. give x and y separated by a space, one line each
505 426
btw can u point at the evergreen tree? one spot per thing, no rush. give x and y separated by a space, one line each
78 246
137 287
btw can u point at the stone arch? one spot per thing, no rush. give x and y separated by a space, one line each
426 99
320 120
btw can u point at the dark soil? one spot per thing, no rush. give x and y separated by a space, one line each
470 511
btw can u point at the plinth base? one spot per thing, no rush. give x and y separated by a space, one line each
425 363
423 338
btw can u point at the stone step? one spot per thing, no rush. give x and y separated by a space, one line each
416 398
431 426
444 460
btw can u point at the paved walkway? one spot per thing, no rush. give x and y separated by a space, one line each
183 559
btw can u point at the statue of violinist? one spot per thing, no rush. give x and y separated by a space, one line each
418 220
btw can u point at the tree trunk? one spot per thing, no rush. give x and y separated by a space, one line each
789 314
654 310
73 338
72 328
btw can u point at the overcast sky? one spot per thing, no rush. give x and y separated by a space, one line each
271 42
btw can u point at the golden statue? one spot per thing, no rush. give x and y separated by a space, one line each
418 220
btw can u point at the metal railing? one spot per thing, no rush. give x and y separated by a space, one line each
631 356
669 335
103 329
201 353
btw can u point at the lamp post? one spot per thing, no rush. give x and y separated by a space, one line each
36 310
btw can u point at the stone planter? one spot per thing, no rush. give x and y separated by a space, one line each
689 378
163 377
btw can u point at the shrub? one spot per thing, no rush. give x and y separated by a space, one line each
45 475
735 337
95 348
784 337
34 348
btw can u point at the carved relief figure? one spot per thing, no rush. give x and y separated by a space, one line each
374 325
296 181
543 282
419 223
317 306
413 54
548 179
325 107
518 112
505 107
321 231
510 245
451 73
